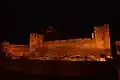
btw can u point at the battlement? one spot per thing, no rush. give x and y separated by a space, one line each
36 35
69 41
105 26
18 46
86 39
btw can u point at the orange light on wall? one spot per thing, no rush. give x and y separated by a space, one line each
102 59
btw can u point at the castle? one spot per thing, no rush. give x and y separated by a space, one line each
99 43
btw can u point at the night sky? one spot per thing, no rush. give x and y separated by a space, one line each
16 22
16 29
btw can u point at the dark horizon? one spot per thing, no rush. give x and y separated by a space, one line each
16 29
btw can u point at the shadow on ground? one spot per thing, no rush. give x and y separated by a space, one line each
25 69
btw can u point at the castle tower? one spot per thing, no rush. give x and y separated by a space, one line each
102 37
99 33
98 37
106 36
36 41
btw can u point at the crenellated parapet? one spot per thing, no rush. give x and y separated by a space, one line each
68 42
18 46
35 36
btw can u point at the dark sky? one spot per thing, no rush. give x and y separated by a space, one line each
16 22
17 28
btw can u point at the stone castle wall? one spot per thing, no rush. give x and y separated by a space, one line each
97 44
66 42
82 47
17 50
53 46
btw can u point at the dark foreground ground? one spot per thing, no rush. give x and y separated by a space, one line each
24 69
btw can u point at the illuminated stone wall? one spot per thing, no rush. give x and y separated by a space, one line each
98 43
16 50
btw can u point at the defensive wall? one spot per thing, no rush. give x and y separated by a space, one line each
100 40
17 50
